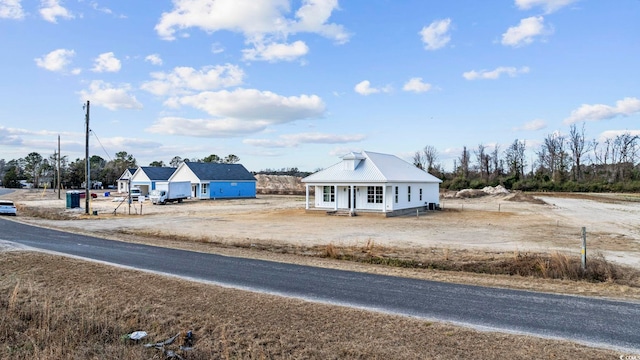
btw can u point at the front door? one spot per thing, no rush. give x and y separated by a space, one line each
352 197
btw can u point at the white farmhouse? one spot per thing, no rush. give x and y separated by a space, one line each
373 182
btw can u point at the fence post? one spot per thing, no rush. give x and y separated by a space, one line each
584 248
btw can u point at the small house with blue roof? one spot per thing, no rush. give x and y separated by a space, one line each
216 180
123 180
146 177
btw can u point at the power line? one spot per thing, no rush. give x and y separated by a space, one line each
105 150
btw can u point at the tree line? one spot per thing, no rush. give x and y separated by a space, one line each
561 163
43 172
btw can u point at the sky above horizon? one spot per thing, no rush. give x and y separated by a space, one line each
285 84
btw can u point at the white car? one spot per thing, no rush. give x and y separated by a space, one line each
7 207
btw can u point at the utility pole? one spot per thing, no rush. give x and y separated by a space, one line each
87 168
58 167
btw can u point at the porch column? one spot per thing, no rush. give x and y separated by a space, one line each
306 199
335 197
352 197
384 198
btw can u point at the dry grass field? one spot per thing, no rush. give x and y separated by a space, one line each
100 303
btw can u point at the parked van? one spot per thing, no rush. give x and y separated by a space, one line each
135 193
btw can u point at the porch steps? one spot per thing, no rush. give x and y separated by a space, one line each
341 213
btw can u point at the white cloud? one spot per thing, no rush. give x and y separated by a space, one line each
495 74
436 35
612 134
524 33
625 107
217 48
118 143
51 10
312 17
364 88
263 23
416 85
113 98
251 104
275 52
548 5
240 112
11 9
185 79
8 137
57 60
533 125
209 128
106 62
293 140
154 59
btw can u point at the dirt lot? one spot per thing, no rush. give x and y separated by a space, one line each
501 223
466 227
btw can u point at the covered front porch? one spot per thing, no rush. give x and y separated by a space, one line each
349 197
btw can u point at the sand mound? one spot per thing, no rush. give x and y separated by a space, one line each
488 190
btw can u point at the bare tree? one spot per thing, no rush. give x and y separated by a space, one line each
514 156
418 160
552 156
627 149
483 160
578 146
464 163
497 162
430 157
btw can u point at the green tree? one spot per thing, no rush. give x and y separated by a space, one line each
75 176
213 158
231 159
33 166
157 163
10 179
176 161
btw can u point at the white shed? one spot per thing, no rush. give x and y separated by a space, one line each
373 182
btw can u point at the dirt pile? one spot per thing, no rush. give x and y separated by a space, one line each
279 184
487 190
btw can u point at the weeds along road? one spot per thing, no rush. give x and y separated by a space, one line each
597 322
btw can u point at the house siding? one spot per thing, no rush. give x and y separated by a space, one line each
232 189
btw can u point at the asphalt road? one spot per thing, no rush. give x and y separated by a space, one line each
598 322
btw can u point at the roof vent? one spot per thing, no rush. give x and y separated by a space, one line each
351 160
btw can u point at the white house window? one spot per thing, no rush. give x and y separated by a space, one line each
329 193
409 193
421 194
396 194
205 188
374 194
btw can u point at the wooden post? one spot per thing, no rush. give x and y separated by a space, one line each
584 248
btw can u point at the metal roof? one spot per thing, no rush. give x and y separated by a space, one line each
371 167
218 171
158 173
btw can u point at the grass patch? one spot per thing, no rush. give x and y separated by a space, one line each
53 307
554 265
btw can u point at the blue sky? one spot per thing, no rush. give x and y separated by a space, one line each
298 83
